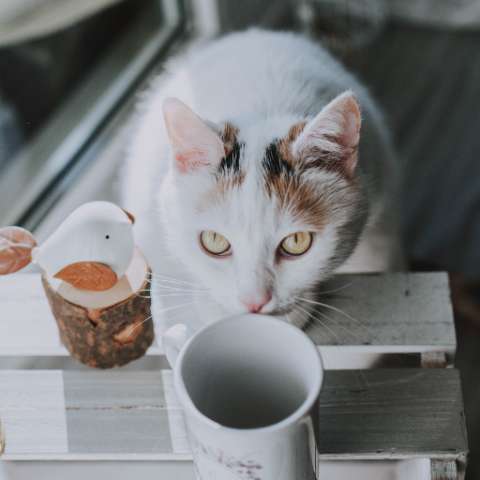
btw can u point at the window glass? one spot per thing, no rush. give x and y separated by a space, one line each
64 66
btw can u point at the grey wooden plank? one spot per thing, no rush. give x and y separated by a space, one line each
108 413
396 309
411 412
376 414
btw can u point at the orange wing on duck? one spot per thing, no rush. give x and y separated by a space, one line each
93 276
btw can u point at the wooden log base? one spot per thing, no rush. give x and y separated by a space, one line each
105 329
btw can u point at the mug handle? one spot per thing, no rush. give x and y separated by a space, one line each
173 340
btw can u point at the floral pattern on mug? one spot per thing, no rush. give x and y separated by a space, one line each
241 469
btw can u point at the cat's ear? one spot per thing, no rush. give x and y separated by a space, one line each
332 137
195 145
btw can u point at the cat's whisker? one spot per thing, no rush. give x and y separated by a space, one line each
173 295
168 279
160 288
323 324
176 307
343 287
335 309
337 324
169 288
138 325
160 283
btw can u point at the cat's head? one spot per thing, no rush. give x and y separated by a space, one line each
261 211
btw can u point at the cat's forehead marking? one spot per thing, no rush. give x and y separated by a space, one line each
282 173
285 143
229 173
229 136
278 161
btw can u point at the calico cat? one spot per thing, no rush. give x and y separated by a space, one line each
259 168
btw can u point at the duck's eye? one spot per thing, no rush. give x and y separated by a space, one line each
296 244
215 243
107 236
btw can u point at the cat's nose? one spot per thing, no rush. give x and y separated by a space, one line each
256 305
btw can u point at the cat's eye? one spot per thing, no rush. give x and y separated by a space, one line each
215 243
296 244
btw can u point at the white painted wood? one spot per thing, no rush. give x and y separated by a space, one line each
383 314
27 326
33 414
414 469
378 470
176 423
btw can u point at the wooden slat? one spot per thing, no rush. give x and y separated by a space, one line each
407 310
388 313
118 415
418 469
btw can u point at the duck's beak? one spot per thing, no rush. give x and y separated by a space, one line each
129 215
93 276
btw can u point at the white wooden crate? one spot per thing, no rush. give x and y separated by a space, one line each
388 423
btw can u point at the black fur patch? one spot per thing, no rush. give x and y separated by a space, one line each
230 164
273 163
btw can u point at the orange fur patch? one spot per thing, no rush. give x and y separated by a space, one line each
285 183
300 199
285 143
229 137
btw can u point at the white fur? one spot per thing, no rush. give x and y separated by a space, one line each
263 83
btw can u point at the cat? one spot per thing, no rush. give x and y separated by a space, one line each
256 171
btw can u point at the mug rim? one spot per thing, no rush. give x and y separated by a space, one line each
299 413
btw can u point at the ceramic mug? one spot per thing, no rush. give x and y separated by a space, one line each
249 387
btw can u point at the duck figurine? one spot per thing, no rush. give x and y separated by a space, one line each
90 250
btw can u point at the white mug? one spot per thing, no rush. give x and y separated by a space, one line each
249 387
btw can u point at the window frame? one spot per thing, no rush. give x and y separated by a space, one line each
33 181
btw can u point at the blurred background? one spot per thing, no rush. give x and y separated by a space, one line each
70 73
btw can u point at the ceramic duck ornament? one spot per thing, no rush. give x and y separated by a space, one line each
90 250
